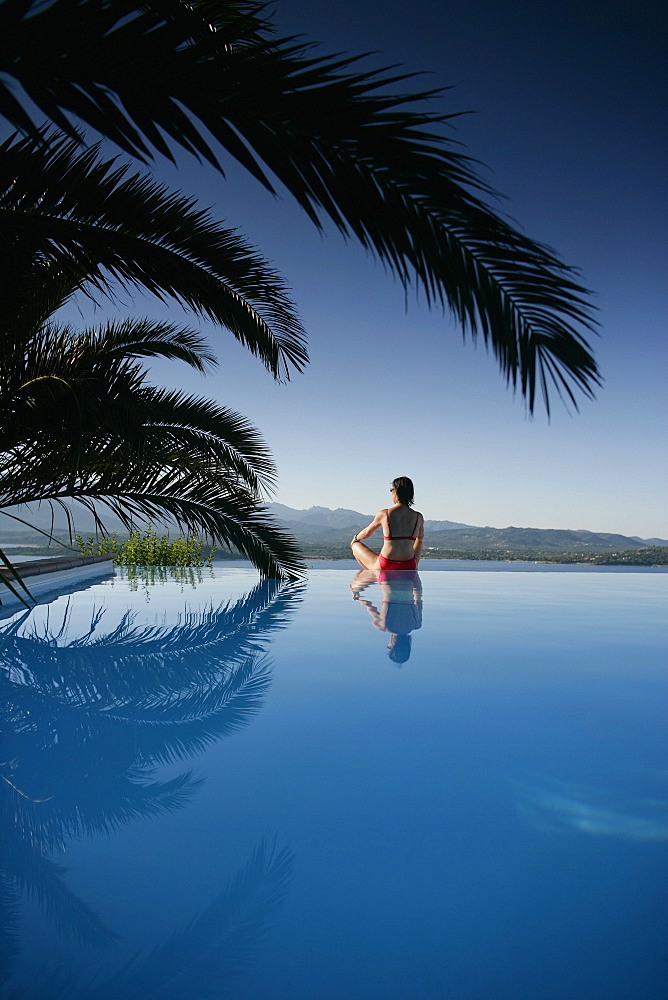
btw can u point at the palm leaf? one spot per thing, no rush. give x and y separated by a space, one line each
79 423
206 959
198 505
9 927
10 586
168 732
349 144
73 386
130 662
42 814
70 221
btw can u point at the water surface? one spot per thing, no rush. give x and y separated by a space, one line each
253 800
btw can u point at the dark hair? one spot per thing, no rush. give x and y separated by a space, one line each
401 649
404 489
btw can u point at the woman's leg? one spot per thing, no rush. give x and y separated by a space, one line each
365 556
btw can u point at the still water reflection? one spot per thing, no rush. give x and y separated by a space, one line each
400 609
250 804
87 721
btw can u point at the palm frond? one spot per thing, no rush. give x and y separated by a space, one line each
138 664
167 732
78 422
199 502
165 723
350 144
70 221
9 927
11 577
199 505
206 959
41 812
144 338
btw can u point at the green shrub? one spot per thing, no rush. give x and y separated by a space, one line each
93 546
149 549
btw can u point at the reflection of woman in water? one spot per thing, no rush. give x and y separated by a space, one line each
401 610
403 533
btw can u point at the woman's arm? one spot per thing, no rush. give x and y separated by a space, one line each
369 530
417 544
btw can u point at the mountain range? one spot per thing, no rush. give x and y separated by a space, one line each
321 530
333 529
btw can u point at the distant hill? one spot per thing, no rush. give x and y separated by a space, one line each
39 515
318 517
323 517
533 539
320 527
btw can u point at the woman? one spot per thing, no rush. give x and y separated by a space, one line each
403 533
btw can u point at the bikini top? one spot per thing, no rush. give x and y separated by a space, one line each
397 538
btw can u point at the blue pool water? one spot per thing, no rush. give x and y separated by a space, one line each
231 790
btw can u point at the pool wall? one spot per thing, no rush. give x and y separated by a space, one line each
49 577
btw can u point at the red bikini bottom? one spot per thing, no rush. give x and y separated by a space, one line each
395 566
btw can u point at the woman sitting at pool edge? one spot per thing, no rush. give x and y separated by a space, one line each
403 533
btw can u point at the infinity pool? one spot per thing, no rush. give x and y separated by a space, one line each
450 788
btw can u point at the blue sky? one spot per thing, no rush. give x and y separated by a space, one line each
568 120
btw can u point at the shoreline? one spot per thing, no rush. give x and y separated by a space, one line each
491 566
440 564
40 567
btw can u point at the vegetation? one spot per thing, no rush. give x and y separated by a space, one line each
75 222
651 556
147 578
147 548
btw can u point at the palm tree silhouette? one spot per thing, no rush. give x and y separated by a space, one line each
77 419
73 222
345 141
79 422
206 958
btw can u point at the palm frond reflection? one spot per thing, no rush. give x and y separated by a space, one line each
90 718
202 960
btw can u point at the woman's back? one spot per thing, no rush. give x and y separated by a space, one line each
401 522
401 527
